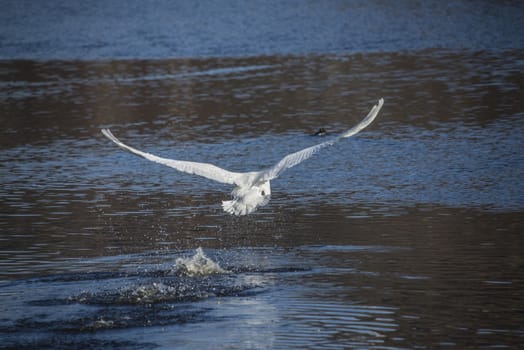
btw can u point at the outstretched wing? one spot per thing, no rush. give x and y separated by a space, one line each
295 158
206 170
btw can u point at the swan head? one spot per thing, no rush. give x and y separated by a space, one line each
247 199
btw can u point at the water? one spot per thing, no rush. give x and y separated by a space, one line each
407 236
130 29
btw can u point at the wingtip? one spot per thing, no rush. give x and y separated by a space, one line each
107 133
378 106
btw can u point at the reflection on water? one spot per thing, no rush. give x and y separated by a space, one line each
408 235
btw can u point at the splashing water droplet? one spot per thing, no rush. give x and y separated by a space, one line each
198 265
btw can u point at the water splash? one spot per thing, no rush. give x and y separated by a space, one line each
151 293
198 265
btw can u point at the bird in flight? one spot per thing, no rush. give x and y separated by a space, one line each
252 189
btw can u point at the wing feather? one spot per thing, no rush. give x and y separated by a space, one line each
295 158
206 170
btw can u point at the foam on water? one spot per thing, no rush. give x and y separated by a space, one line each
198 265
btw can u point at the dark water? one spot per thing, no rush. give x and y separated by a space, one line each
407 236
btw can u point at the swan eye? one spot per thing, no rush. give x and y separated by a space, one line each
263 193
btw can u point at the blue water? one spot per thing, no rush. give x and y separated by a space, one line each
166 29
406 236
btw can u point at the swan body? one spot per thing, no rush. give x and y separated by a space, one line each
252 189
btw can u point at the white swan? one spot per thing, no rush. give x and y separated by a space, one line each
252 188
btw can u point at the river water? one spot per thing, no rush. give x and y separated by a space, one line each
406 236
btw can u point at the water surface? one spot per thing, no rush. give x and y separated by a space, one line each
407 236
52 29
